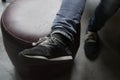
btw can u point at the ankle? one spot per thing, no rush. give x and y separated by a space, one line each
62 38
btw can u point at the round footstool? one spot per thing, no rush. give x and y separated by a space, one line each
24 22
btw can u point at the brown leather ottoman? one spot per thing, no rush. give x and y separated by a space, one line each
24 22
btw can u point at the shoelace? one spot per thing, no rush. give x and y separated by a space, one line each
91 38
52 41
39 41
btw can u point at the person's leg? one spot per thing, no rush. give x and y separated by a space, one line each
55 46
103 12
68 18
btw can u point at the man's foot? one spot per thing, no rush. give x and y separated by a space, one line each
91 45
48 49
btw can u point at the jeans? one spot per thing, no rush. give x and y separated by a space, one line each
68 17
103 12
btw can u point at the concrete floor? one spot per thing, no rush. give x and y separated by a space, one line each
106 67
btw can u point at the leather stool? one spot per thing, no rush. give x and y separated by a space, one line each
24 22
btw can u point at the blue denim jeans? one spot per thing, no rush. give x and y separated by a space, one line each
68 17
103 12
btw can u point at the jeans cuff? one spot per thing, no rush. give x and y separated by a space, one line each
62 33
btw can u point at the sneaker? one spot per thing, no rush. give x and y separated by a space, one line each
91 45
48 49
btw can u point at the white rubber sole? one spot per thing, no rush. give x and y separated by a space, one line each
63 58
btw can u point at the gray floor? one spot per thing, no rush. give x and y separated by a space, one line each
6 67
106 67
